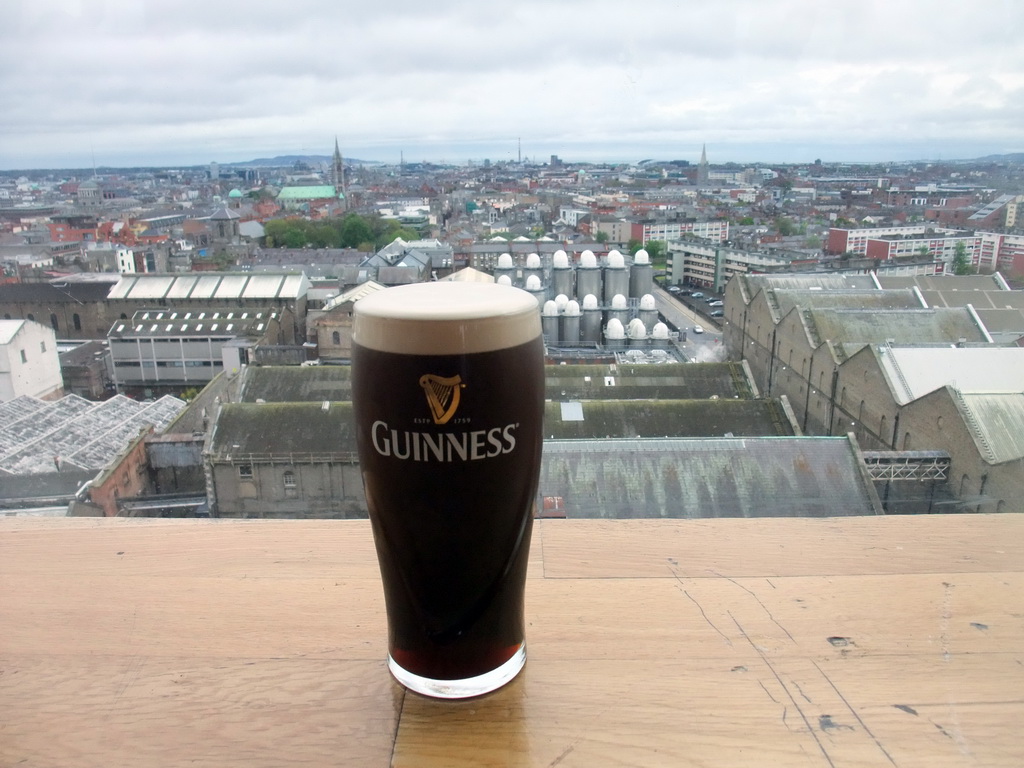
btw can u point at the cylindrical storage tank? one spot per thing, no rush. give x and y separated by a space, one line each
561 301
659 336
562 277
590 325
619 309
648 310
641 275
570 333
533 267
505 267
637 333
616 276
534 287
503 280
614 334
549 322
588 276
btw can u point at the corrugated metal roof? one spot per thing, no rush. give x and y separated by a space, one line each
910 326
913 372
786 300
999 422
754 477
804 282
212 285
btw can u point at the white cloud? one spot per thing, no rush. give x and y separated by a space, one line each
139 82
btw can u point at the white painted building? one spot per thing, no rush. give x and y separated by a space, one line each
28 361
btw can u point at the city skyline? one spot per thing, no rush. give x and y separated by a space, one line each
118 84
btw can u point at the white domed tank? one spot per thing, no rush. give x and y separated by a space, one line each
549 322
616 276
641 275
560 301
533 267
637 333
506 266
588 275
659 336
648 311
619 309
562 276
590 325
571 323
504 280
534 286
614 334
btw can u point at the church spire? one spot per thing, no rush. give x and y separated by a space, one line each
338 174
703 169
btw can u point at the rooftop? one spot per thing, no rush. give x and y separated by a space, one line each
37 437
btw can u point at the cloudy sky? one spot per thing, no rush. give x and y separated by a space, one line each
183 82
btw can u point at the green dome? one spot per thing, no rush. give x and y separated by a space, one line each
235 193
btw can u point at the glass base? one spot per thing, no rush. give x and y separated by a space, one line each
461 689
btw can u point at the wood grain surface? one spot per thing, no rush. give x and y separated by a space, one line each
882 641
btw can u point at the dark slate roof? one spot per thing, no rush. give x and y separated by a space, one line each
682 381
677 381
280 429
64 293
283 384
715 477
665 418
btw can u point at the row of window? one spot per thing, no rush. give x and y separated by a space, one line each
245 473
75 318
168 363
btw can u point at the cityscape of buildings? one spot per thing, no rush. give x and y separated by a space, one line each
722 340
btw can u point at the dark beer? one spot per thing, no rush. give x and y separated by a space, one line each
450 445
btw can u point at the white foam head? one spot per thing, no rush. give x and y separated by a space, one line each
660 331
504 280
619 301
533 283
445 318
641 257
616 260
561 300
590 301
550 308
647 302
505 261
637 329
560 260
588 260
614 329
533 261
572 309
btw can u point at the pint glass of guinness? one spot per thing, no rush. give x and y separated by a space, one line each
448 393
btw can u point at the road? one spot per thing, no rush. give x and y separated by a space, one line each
699 347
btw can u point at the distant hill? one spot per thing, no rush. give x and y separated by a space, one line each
1012 157
288 160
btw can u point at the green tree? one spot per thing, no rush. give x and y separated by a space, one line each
785 226
355 230
961 261
601 236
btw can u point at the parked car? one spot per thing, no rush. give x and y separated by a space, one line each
698 329
674 289
718 313
716 303
698 295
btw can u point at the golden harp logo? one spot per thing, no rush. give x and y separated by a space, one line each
442 395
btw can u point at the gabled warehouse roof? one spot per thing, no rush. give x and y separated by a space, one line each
211 285
714 477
